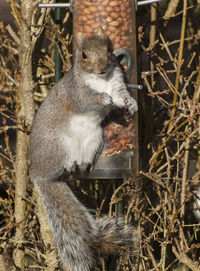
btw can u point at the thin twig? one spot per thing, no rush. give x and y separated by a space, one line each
180 60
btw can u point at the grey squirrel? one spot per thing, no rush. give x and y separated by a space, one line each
66 135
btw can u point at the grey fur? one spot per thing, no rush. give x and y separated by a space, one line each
66 134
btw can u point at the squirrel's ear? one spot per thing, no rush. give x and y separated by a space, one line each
101 33
79 38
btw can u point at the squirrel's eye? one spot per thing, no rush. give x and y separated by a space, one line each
84 56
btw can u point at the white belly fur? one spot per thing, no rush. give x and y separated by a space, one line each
82 140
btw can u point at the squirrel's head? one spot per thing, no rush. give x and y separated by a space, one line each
94 54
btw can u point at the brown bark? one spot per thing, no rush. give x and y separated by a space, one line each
172 6
26 113
51 254
2 264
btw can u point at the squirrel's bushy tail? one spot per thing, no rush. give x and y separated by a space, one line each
113 234
79 237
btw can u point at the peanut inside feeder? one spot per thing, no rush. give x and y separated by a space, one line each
115 17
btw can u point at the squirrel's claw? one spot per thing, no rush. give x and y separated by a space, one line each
131 105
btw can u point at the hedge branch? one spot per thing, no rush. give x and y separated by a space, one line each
171 9
26 112
180 60
51 254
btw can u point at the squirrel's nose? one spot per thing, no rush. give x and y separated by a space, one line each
102 67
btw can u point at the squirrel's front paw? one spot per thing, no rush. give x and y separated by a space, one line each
131 105
106 99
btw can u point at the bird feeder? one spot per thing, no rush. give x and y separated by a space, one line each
119 156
